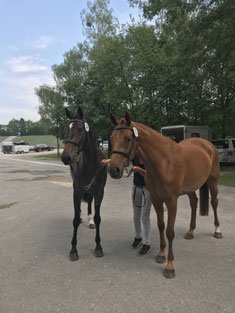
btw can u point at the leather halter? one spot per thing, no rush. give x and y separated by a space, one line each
82 143
125 154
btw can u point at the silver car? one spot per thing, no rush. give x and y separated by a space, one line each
226 149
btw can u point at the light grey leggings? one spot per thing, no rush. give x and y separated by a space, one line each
141 213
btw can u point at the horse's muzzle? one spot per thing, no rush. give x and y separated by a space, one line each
66 159
115 172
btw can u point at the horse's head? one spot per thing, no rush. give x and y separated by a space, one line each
123 142
75 136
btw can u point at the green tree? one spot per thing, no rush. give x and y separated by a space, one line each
13 127
51 110
203 34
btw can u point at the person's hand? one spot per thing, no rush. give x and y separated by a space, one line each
105 161
137 169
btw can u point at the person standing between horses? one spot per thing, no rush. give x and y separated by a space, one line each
141 208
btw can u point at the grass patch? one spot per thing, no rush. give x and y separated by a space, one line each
227 168
2 138
227 175
227 179
39 139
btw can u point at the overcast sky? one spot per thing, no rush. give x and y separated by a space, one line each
34 35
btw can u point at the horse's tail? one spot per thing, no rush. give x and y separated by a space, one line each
204 200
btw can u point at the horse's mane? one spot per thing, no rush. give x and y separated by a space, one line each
158 134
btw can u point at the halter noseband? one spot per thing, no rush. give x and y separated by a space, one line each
82 143
134 137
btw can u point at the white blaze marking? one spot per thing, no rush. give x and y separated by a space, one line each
70 125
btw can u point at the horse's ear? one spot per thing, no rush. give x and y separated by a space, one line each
113 119
80 112
128 118
67 113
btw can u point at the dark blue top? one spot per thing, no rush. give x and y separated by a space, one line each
138 180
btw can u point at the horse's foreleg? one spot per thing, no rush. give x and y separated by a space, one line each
193 203
169 271
76 222
161 256
98 249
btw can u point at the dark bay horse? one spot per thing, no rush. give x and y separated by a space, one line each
172 170
88 174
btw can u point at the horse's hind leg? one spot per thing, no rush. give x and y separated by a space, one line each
91 223
193 203
213 187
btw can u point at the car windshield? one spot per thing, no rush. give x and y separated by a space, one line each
221 144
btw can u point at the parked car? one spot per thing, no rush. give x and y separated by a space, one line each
226 149
43 147
104 145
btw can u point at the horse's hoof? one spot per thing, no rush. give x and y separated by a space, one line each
91 226
169 273
188 236
74 256
218 235
160 259
99 253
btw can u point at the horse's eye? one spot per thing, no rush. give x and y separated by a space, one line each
127 139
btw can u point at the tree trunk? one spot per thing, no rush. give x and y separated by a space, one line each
58 144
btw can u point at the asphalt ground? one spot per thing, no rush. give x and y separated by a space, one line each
36 275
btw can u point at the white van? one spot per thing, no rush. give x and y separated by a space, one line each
226 149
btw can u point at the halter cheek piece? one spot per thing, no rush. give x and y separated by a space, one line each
83 142
134 137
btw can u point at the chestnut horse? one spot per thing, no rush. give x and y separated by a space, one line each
172 170
89 175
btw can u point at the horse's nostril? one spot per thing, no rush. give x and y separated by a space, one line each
117 170
66 159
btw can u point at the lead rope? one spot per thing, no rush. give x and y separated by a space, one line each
141 206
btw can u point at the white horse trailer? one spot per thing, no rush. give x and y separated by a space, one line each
20 147
181 132
7 147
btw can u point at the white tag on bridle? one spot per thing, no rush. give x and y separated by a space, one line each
86 127
135 132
